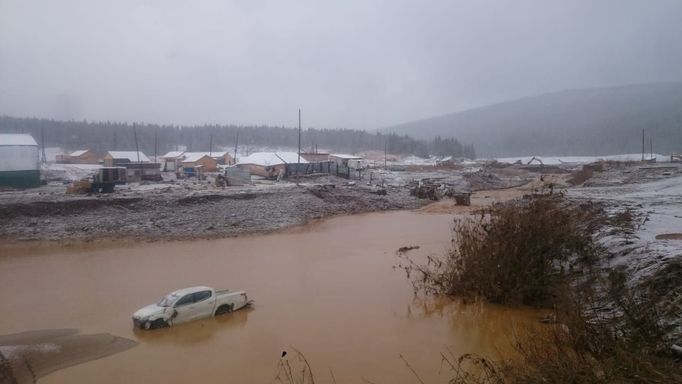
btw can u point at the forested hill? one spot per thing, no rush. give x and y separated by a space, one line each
105 136
597 121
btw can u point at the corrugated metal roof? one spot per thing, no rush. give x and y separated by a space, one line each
191 157
271 158
130 155
344 156
17 139
173 155
78 153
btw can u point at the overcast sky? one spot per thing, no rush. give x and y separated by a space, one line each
356 64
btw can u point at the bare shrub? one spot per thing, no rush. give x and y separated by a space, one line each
512 253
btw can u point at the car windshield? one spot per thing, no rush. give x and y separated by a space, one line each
168 300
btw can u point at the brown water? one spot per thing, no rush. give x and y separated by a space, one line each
328 289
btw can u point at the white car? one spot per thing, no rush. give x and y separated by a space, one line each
189 304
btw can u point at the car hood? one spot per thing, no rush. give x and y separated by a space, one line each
150 310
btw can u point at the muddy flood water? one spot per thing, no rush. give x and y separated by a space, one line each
328 289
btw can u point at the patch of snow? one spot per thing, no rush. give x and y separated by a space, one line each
558 160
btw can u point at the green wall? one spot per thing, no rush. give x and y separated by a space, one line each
20 179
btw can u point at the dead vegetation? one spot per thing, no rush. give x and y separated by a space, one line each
510 252
543 252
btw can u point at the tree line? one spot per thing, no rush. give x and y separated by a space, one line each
102 136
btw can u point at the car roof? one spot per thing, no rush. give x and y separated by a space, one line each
184 291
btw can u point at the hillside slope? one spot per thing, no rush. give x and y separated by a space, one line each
596 121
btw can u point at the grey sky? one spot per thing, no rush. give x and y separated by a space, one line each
356 64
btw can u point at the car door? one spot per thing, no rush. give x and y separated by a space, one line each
184 309
204 302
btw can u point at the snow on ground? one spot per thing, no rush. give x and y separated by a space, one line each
661 204
70 172
557 160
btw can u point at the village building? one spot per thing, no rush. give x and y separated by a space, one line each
137 164
121 158
315 157
171 161
193 161
270 164
19 161
346 161
84 156
223 158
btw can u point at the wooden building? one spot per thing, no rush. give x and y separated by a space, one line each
194 160
83 156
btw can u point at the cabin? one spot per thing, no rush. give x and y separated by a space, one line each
171 161
347 161
137 164
269 164
19 161
193 160
223 158
83 156
121 158
315 157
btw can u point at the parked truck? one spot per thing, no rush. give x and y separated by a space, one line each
189 304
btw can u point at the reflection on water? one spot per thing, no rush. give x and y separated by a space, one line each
194 332
328 290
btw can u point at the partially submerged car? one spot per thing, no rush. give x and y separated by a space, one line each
189 304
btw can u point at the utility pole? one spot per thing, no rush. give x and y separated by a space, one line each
236 144
156 142
113 149
137 149
299 138
42 139
385 154
210 145
642 144
651 146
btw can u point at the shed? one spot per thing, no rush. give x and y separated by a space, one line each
269 164
223 158
121 158
349 161
171 161
19 161
196 159
83 156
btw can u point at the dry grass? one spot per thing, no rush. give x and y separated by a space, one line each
512 253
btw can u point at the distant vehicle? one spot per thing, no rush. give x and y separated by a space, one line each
189 304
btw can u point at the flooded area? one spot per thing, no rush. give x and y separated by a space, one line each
328 289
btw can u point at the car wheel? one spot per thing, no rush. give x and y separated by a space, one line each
223 309
147 325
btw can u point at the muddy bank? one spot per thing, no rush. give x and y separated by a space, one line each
181 215
27 356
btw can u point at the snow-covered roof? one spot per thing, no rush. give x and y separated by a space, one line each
173 155
344 156
130 155
271 158
191 157
17 139
78 153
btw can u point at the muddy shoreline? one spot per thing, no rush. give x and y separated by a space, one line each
198 215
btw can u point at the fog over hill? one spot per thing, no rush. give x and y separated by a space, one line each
594 121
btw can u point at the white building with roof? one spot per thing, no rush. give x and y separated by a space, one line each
19 161
114 158
269 164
